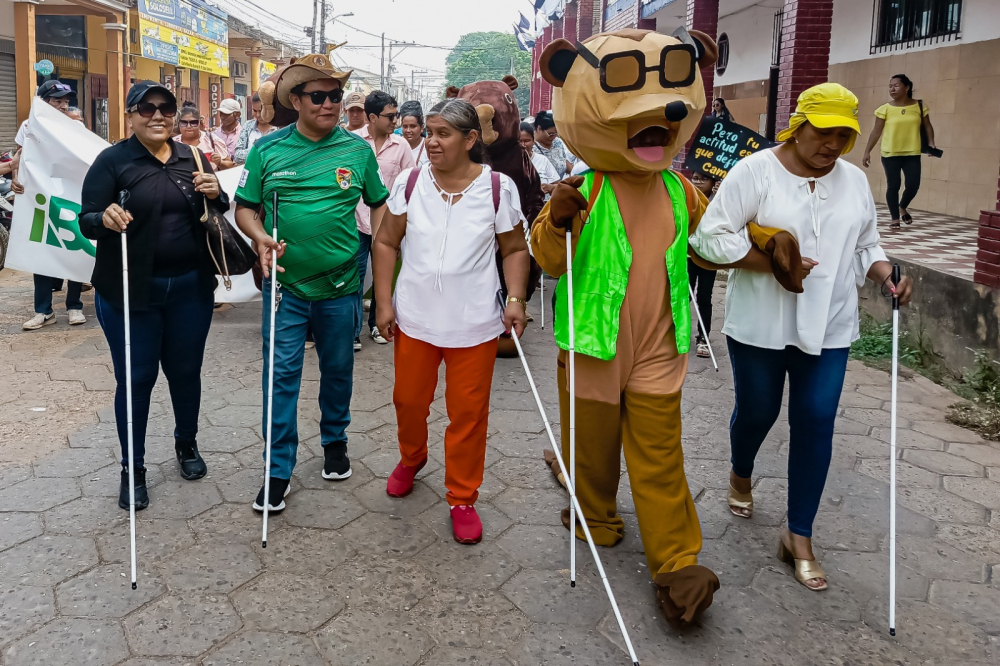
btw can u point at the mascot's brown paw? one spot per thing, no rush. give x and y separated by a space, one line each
786 261
566 202
685 593
553 464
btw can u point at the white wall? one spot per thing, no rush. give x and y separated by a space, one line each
852 28
6 19
750 34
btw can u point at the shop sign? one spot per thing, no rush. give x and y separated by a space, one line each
185 33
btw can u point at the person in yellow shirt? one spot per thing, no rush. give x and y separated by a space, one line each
900 120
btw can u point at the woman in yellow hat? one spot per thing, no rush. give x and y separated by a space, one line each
801 324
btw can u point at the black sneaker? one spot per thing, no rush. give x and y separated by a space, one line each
377 337
279 489
336 464
357 344
192 465
141 496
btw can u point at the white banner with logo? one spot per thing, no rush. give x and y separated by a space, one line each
45 233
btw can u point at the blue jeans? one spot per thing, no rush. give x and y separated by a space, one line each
364 249
172 332
43 294
814 386
332 323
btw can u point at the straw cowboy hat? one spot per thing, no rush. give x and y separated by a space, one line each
308 68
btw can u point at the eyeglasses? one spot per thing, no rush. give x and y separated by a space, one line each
391 117
626 71
189 123
319 97
148 109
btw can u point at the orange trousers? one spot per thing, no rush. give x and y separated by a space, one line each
468 382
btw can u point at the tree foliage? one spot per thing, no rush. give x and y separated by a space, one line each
485 56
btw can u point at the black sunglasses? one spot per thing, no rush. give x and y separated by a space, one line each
391 116
189 123
626 71
319 97
148 109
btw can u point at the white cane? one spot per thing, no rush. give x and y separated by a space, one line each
270 368
571 380
892 456
704 331
541 282
576 503
123 197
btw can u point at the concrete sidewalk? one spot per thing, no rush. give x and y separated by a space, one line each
351 576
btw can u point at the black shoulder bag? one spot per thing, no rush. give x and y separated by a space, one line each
925 146
230 253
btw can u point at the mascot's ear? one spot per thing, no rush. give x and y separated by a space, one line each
266 94
510 81
451 92
556 61
704 46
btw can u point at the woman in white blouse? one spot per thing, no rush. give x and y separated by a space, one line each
825 204
447 219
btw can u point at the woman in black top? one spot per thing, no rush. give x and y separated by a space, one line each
171 276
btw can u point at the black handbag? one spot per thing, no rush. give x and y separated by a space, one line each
230 253
925 146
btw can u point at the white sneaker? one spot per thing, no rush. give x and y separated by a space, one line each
38 321
76 317
367 303
377 337
309 345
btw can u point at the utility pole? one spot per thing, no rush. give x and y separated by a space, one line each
315 12
382 72
322 29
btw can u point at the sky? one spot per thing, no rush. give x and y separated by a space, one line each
435 23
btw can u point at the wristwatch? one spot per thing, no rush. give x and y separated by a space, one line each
515 299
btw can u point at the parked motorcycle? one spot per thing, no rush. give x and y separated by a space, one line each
6 212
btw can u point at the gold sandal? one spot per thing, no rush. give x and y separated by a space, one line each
805 570
738 500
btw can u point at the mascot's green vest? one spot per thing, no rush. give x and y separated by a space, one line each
600 274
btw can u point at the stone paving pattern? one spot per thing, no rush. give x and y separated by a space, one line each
351 576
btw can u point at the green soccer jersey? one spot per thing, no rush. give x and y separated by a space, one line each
319 184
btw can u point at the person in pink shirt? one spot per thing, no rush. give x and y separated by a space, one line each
188 121
228 131
394 155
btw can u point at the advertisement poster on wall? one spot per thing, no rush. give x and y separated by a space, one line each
186 33
266 70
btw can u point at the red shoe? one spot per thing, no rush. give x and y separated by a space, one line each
400 483
466 525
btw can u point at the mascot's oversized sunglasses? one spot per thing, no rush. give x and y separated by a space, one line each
626 70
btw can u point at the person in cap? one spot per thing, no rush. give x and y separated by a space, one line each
228 131
57 95
171 274
354 109
320 172
821 245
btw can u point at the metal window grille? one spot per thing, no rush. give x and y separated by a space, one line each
779 16
901 24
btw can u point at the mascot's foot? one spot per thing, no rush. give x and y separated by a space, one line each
553 464
603 536
685 593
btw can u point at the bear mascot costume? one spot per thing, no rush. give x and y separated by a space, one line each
501 122
626 102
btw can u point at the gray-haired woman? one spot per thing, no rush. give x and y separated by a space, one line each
447 218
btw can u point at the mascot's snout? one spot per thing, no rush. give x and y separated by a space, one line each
676 111
486 113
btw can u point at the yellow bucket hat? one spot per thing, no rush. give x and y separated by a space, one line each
826 105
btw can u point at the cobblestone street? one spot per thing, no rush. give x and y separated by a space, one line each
351 576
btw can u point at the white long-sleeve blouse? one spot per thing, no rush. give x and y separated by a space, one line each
834 220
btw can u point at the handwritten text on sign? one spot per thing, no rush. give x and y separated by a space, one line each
720 144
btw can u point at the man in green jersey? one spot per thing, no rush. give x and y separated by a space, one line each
320 172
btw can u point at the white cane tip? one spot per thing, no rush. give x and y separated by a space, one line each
572 583
892 631
263 544
133 585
